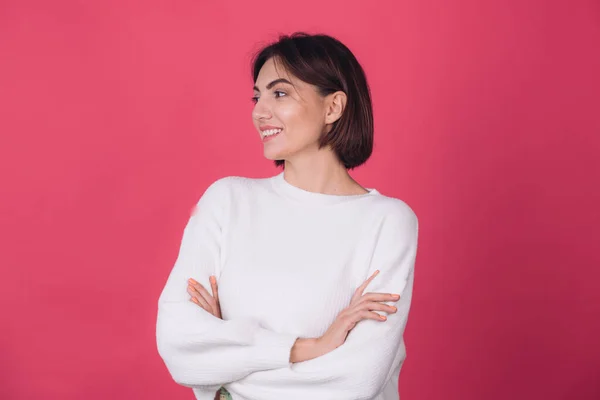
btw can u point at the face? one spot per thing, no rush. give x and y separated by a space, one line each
290 115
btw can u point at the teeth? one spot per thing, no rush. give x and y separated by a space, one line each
270 132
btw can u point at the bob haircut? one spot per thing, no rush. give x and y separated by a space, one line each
327 64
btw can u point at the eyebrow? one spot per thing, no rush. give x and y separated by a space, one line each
275 82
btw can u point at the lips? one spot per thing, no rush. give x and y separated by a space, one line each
269 134
267 127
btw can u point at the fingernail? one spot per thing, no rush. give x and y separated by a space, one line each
212 279
195 300
193 282
382 317
395 296
394 308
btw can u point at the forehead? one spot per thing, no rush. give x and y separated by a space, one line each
272 70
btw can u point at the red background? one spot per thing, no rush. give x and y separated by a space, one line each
116 115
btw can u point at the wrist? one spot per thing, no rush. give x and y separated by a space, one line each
305 349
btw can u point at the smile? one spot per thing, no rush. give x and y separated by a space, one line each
270 133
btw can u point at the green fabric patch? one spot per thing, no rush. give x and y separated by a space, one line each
224 394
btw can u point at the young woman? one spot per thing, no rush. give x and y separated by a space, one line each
293 254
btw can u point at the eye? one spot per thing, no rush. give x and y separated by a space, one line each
278 93
254 99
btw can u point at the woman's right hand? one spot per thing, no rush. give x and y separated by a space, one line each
361 307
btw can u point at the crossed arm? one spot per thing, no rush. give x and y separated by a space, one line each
358 369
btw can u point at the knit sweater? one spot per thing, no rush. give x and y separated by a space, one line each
287 262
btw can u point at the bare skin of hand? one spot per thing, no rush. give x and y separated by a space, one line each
362 306
203 298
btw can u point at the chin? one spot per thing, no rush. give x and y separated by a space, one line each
274 155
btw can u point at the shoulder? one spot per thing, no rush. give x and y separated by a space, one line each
230 184
396 227
215 199
395 211
229 187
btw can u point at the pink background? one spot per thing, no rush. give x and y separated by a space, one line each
116 115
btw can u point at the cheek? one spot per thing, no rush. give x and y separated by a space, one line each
298 120
289 114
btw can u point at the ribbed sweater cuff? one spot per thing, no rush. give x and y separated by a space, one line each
273 350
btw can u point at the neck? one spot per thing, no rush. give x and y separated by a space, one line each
321 173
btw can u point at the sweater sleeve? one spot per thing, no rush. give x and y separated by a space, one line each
373 350
199 349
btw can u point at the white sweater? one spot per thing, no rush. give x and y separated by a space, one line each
287 261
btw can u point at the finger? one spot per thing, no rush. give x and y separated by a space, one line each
358 293
362 315
375 306
198 298
207 297
195 301
215 292
214 288
379 297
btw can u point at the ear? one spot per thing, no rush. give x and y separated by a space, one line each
335 105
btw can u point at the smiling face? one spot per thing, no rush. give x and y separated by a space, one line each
290 115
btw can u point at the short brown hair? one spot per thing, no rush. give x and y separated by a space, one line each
326 63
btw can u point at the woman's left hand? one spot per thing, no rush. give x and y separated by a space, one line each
201 297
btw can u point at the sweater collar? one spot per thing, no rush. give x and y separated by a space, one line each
304 196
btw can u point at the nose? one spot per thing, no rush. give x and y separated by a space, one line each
261 110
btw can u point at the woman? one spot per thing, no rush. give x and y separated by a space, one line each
294 253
